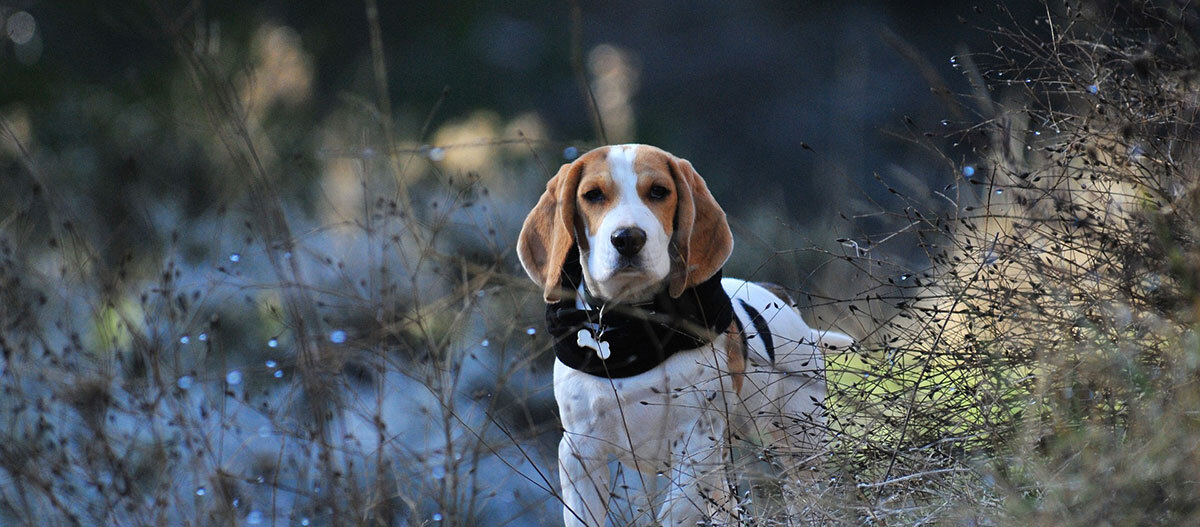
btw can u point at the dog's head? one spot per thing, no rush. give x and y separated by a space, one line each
642 219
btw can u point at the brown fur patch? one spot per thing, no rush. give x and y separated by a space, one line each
595 176
702 238
735 357
653 167
548 233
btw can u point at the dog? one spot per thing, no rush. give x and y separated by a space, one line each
660 361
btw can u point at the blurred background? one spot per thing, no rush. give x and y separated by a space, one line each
788 109
272 242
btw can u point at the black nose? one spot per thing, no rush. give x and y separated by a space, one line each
629 240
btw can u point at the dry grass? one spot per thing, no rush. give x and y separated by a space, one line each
1035 362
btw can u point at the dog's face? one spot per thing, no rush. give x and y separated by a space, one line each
625 216
641 218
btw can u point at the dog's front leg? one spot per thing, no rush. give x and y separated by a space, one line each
583 474
699 491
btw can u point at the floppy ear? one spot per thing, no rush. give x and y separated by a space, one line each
549 232
702 239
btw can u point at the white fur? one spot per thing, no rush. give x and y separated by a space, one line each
675 419
600 261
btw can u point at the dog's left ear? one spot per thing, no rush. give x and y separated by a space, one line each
702 239
549 231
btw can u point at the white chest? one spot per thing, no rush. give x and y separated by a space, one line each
641 417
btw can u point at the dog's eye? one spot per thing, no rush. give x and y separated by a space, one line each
659 192
594 196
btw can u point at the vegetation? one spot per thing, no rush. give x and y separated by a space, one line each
192 335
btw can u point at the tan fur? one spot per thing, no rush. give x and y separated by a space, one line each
654 431
548 233
702 238
592 214
735 358
653 167
700 235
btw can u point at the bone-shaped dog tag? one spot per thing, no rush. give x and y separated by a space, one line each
584 339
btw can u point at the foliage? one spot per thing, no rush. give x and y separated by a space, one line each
196 337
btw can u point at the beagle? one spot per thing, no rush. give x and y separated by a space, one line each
660 360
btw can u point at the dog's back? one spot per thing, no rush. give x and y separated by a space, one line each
784 391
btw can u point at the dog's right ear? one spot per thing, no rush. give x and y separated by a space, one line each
549 231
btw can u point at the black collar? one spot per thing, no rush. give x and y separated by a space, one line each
635 337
